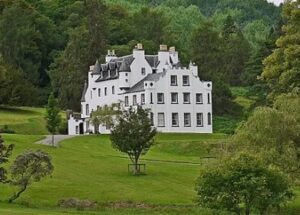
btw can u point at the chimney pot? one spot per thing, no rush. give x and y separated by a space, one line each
163 48
139 46
172 49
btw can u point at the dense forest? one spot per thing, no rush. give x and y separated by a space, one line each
47 46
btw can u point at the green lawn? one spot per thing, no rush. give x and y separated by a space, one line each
23 120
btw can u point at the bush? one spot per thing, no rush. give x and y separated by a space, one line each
77 203
63 127
6 130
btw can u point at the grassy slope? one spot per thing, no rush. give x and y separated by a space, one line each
23 120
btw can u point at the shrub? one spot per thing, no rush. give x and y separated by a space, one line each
6 130
77 203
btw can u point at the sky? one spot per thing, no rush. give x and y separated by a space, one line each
277 2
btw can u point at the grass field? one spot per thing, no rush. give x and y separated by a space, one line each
87 167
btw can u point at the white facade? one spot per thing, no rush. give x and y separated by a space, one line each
178 100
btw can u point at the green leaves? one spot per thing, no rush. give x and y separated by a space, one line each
242 183
52 114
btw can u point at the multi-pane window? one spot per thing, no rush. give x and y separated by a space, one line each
186 98
142 98
174 98
134 101
160 98
187 119
151 98
199 98
175 120
152 118
126 101
143 71
113 89
160 119
173 80
105 91
209 118
99 92
185 80
87 111
199 118
208 98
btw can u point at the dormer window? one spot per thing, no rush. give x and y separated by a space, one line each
143 71
173 80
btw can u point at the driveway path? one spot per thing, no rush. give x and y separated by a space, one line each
57 138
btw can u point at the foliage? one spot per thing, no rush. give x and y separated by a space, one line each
5 153
243 184
133 134
6 130
28 168
104 116
274 133
282 68
52 116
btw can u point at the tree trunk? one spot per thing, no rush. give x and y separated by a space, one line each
17 195
53 140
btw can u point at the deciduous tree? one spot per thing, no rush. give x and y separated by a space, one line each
133 134
5 153
28 168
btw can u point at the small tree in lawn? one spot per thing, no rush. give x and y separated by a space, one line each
133 134
28 168
5 152
52 116
104 116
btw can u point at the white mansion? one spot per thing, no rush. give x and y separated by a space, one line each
178 100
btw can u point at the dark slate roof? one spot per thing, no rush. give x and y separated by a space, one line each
140 85
152 60
124 67
97 68
128 59
84 91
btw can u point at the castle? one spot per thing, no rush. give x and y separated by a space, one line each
178 100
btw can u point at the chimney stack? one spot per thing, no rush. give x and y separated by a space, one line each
172 49
139 46
163 48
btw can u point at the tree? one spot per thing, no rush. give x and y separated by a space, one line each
28 168
282 68
133 134
236 51
273 133
5 153
206 49
52 116
104 116
243 184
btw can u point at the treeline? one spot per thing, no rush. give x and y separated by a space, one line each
48 45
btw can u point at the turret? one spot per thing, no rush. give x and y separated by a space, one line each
124 74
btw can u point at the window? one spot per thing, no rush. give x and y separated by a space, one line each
134 101
126 74
175 122
208 98
185 80
173 80
186 98
152 118
151 98
209 118
174 98
161 120
126 80
199 98
160 98
87 111
143 71
142 98
99 92
113 89
105 91
126 101
187 120
199 118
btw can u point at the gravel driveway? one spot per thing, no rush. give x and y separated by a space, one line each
57 138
